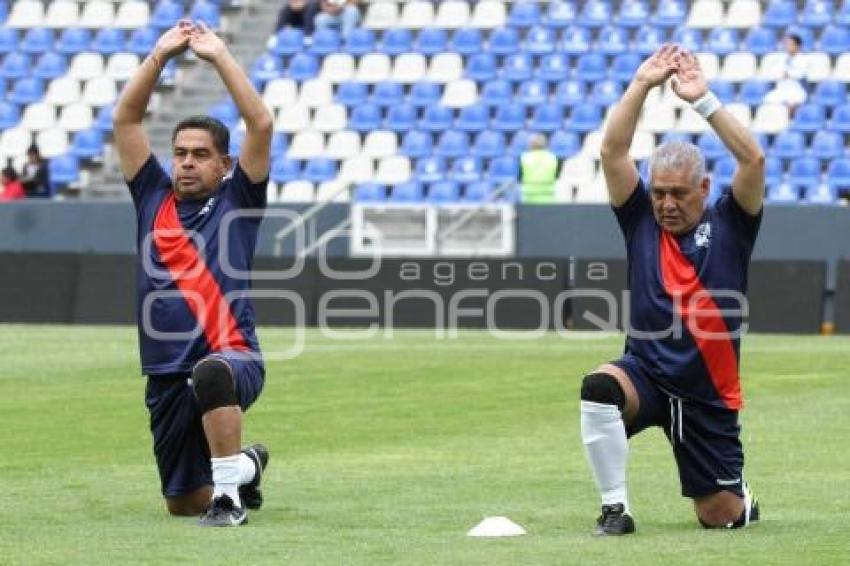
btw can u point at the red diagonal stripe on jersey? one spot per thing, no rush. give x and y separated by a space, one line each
193 279
708 330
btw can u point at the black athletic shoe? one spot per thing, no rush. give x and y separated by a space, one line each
250 493
751 505
614 521
222 512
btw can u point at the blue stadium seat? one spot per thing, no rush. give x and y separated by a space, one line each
723 41
478 191
547 117
473 118
532 92
287 42
632 14
63 170
352 93
504 41
467 41
816 13
387 93
266 68
207 12
36 41
520 142
10 115
430 169
773 171
166 14
50 66
27 91
564 144
827 145
554 67
401 117
612 40
835 40
109 41
689 38
503 169
397 41
788 145
517 67
237 137
809 118
711 146
436 118
489 144
606 92
360 41
830 93
370 192
280 143
140 42
560 14
724 90
416 144
838 175
168 77
761 40
365 117
723 172
103 120
284 170
821 194
624 67
540 40
591 67
9 40
571 92
509 117
452 144
444 191
840 121
87 144
226 112
804 172
319 170
466 170
596 13
782 193
432 41
425 93
303 66
496 92
842 17
753 91
779 14
524 14
481 67
325 41
576 40
670 13
648 40
410 191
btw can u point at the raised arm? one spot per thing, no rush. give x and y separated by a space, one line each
130 137
621 175
748 183
254 157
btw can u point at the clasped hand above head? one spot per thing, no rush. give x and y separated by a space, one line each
197 37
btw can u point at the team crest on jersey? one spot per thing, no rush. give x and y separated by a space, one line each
702 236
207 207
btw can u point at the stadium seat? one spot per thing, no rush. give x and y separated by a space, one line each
342 145
63 91
840 120
365 117
303 66
401 117
393 169
436 118
595 14
841 70
520 142
409 68
488 15
829 93
379 144
9 39
374 68
36 41
417 14
141 41
122 66
560 14
585 117
287 42
444 191
564 144
416 144
99 91
63 170
779 14
804 172
52 142
503 169
459 93
481 67
279 93
657 118
26 91
570 92
547 117
166 14
809 117
349 93
689 38
26 14
711 146
387 93
606 92
370 192
540 40
723 41
381 16
473 118
576 40
445 67
532 93
524 15
333 191
496 92
207 12
827 145
771 119
291 119
319 169
338 67
430 169
723 89
306 144
743 14
612 40
101 14
424 93
356 169
834 40
452 14
509 117
760 41
61 14
431 41
324 42
88 144
103 120
330 118
782 193
632 14
753 92
50 66
838 175
517 67
723 172
266 68
478 191
132 14
297 191
360 42
109 41
489 144
504 41
819 67
591 67
773 171
410 191
554 67
822 193
648 40
706 14
467 41
452 144
10 115
396 41
738 66
816 13
466 170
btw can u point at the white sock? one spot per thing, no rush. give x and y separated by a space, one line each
226 474
247 469
607 449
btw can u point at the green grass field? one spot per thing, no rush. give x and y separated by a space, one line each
388 451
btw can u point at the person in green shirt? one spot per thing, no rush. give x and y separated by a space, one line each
539 171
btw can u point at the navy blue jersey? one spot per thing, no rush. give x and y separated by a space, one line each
194 268
683 320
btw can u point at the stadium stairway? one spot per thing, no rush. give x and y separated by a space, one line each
198 88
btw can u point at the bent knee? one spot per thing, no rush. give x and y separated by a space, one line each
603 388
714 513
179 508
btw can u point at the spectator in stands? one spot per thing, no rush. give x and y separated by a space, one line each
12 187
539 170
343 15
791 90
35 178
299 14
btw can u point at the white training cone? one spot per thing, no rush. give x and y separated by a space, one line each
496 527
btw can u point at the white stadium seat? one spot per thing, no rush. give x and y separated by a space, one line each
86 65
291 119
61 14
741 112
488 15
330 118
643 143
691 123
771 119
359 169
38 116
328 189
379 144
76 117
738 67
63 91
459 93
100 91
819 67
14 142
280 93
52 142
338 67
393 170
452 14
710 64
381 15
416 14
133 14
297 191
306 144
592 144
841 71
122 66
772 67
97 14
343 144
657 119
409 68
445 67
373 68
315 92
706 14
26 14
743 14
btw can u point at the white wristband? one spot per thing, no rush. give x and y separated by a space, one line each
706 105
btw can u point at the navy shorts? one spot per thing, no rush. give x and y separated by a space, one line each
706 439
179 443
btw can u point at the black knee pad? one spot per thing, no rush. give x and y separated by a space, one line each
213 384
603 388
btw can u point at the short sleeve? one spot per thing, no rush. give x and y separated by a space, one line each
246 193
745 225
631 212
150 180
